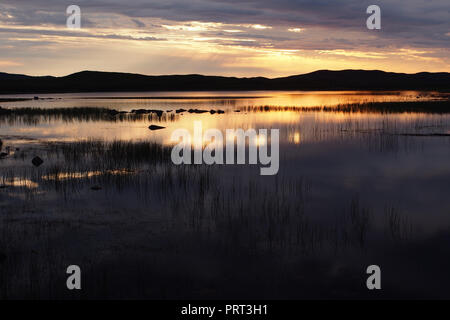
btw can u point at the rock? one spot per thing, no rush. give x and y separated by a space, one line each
4 111
159 113
212 111
96 188
180 110
237 110
197 111
37 161
36 98
153 127
220 112
3 155
139 111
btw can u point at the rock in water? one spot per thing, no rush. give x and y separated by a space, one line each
3 155
197 111
96 188
153 127
37 161
159 113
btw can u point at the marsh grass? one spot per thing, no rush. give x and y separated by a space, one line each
441 106
110 154
250 213
399 225
34 116
233 212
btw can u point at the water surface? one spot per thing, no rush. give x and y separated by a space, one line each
353 189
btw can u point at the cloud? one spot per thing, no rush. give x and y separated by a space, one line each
139 23
312 29
67 33
6 63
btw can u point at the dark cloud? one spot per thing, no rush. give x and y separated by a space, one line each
139 23
414 22
76 34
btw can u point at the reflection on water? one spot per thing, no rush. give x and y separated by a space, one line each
295 127
353 189
84 175
126 101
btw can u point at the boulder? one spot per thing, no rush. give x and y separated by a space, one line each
154 127
139 111
197 111
37 161
159 113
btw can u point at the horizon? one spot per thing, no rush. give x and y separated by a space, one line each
271 39
216 75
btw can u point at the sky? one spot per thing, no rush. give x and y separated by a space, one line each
247 38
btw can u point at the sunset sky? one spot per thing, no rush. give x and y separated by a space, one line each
223 37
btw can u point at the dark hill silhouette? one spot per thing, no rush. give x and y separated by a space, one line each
93 81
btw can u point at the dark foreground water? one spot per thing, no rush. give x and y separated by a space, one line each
354 189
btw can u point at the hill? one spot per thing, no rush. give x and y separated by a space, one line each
94 81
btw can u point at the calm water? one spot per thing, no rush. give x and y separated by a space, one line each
169 100
295 123
353 189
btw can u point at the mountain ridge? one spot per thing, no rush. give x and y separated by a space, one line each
100 81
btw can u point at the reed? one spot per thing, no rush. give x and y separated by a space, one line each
432 106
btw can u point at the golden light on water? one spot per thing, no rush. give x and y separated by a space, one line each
260 140
296 138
